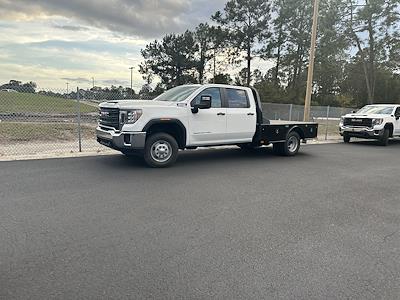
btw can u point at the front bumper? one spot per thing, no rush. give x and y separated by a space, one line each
121 140
361 132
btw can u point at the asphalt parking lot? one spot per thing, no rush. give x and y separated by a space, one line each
219 224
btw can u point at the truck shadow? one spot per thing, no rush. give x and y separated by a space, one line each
212 156
392 142
204 156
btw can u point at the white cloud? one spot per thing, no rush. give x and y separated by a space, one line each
48 65
50 42
45 41
44 51
142 18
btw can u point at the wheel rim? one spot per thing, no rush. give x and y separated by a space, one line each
293 143
161 151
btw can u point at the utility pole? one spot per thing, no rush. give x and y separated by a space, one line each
67 87
131 68
93 82
307 101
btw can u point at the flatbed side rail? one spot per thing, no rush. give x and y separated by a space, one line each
272 133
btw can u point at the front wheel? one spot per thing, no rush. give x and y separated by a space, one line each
346 138
384 139
290 147
161 150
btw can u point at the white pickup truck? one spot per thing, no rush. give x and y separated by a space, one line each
191 116
379 121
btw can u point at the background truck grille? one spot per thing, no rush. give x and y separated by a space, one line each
109 117
361 122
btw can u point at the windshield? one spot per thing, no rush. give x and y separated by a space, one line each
177 94
374 109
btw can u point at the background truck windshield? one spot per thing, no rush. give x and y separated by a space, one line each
177 94
374 109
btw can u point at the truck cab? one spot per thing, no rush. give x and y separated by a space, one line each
190 116
378 121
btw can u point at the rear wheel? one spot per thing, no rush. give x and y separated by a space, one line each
290 147
384 139
346 138
161 150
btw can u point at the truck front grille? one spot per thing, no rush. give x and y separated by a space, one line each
109 117
357 122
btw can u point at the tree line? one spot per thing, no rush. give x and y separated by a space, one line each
95 93
357 57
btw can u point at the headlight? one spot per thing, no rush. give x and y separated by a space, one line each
130 116
341 121
377 122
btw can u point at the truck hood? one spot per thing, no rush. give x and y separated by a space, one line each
371 116
131 104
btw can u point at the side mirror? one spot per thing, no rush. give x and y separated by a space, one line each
397 115
205 103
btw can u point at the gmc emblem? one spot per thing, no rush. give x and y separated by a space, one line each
104 113
357 120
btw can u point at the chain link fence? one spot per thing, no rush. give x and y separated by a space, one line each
61 121
45 121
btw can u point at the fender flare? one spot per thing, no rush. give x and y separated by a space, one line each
166 121
297 128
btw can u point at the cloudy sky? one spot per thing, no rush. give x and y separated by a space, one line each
53 42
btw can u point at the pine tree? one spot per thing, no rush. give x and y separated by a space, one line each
246 24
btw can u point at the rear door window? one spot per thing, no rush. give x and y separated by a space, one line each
236 98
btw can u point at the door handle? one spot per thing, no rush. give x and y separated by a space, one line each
250 114
220 114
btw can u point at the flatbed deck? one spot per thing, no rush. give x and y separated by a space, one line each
277 131
280 122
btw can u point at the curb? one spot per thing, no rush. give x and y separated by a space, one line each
57 155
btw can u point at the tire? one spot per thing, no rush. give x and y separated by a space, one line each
161 150
279 148
290 147
384 139
346 138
